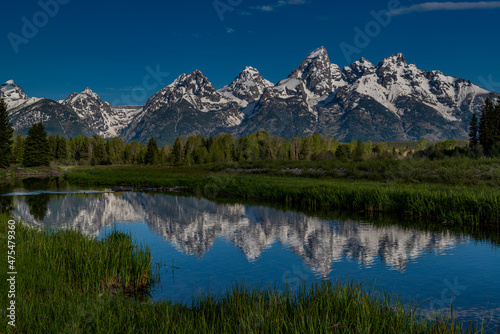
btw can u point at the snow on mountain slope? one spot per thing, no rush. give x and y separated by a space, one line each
190 105
394 79
391 101
14 96
246 88
101 115
194 88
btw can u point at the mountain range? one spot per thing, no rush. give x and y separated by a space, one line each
388 102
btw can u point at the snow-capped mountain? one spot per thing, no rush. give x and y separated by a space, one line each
391 101
14 96
101 116
246 88
397 101
56 118
188 106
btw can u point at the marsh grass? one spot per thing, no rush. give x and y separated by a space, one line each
448 204
59 270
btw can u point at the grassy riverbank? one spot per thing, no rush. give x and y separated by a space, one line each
448 204
68 283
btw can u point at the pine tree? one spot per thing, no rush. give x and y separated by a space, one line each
6 134
36 152
52 147
343 151
489 128
18 150
473 131
151 152
61 150
485 126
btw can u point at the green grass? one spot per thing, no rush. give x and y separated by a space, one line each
60 270
68 283
457 205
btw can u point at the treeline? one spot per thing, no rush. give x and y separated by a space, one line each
38 149
485 133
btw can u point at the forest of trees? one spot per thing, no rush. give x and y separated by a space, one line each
486 133
38 149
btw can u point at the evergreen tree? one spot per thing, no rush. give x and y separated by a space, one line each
473 131
52 147
84 151
98 151
359 151
485 126
36 152
61 148
18 150
6 134
151 152
343 151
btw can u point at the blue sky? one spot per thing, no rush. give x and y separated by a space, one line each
124 50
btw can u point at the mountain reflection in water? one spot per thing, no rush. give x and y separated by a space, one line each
193 225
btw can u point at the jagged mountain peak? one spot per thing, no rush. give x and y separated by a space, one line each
358 69
319 53
317 60
194 82
77 98
247 87
10 90
320 76
14 96
397 60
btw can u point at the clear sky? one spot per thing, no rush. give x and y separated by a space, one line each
124 50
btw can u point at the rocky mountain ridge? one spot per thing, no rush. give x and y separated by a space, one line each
391 101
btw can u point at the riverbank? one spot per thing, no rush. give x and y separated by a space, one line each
447 204
69 283
18 172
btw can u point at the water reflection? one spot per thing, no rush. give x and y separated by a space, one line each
193 225
6 204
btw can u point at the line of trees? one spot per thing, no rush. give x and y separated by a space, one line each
38 149
485 132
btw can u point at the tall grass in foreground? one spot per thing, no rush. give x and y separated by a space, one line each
448 204
60 272
68 283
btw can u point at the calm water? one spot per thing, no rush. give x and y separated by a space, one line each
214 245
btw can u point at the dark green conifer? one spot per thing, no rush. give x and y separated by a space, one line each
473 131
6 134
36 152
151 152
